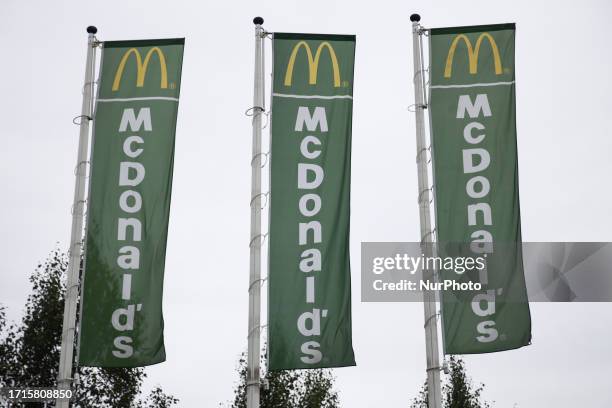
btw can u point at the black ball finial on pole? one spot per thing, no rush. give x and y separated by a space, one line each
258 20
415 18
92 30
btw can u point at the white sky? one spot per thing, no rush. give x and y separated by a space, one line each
563 107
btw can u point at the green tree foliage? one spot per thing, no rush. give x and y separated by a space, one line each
457 389
158 399
459 392
29 352
289 388
421 401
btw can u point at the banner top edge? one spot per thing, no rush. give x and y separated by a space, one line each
475 28
307 36
143 43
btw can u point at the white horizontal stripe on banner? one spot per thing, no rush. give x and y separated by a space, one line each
471 85
312 96
148 98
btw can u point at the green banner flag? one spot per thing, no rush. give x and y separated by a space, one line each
472 108
121 321
309 306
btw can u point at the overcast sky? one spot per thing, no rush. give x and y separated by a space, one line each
564 146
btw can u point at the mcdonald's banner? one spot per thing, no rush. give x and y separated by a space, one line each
472 108
309 306
121 321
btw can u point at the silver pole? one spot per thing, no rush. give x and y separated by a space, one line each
429 299
76 236
253 354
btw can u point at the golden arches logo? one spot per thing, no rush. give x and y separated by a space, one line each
141 67
313 63
472 54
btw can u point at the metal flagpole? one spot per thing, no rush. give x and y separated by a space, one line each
76 237
253 353
429 300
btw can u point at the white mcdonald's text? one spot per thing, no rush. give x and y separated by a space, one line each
129 229
310 178
479 215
